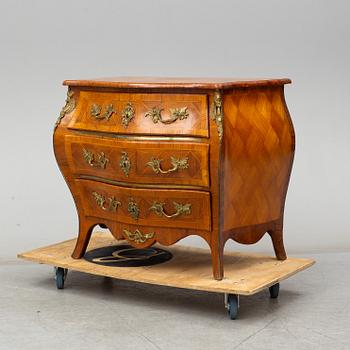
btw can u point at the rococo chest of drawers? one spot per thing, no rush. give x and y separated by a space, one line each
156 160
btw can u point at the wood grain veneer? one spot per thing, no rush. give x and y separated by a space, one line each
139 153
174 83
195 124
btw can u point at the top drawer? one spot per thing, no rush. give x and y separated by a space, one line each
150 114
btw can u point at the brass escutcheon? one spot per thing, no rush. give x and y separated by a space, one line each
133 209
128 114
125 163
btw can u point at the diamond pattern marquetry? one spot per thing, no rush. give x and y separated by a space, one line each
258 149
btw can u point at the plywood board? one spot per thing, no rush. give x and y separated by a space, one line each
189 268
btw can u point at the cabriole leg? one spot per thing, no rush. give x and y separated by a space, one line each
277 241
85 231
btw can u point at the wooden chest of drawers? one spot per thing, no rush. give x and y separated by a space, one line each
156 160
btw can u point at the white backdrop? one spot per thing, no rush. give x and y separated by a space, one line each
44 42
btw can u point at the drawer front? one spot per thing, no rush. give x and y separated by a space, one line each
161 114
148 162
146 207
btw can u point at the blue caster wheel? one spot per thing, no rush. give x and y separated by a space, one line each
274 290
60 277
232 306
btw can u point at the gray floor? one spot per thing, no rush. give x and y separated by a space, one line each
312 312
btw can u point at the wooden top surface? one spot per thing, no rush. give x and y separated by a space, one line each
189 268
174 83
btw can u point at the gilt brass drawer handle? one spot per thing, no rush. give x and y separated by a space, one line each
101 201
137 236
176 113
158 208
125 163
177 164
127 114
101 161
96 112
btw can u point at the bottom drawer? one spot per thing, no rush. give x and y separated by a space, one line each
149 207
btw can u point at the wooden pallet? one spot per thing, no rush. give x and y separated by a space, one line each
190 268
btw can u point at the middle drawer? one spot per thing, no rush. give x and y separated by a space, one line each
143 162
